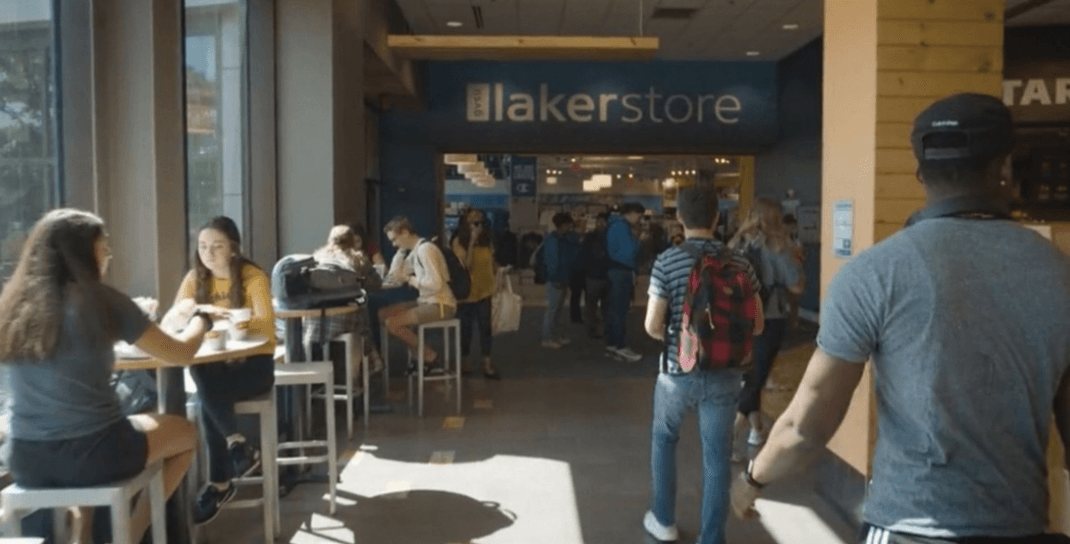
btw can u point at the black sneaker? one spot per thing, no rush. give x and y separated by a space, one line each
244 458
210 502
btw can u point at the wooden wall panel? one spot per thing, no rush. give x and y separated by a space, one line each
935 85
896 210
938 59
902 32
883 230
896 161
900 109
899 186
932 10
894 135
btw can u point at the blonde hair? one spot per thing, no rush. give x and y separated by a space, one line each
764 220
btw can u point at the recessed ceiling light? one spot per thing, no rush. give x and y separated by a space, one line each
454 24
791 26
753 53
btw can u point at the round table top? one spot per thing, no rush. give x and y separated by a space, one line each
236 349
316 312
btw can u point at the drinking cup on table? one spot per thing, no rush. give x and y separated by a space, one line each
239 323
216 339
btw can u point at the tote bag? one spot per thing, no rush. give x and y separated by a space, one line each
505 306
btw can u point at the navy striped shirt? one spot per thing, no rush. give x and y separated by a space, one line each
668 281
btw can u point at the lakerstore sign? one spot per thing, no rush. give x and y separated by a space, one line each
489 102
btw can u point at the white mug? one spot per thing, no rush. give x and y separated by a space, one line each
239 323
216 339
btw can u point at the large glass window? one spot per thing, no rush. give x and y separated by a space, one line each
28 122
216 106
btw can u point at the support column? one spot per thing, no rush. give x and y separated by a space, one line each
885 61
320 119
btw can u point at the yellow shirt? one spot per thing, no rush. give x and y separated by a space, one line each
481 271
256 296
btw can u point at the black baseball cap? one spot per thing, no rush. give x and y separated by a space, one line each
963 126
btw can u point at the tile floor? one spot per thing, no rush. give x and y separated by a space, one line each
557 452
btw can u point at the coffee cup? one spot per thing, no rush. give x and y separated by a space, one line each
216 339
239 323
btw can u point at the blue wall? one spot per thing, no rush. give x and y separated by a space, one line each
408 177
795 161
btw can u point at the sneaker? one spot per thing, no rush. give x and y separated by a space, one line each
659 531
210 502
612 352
756 437
551 344
244 458
564 341
628 355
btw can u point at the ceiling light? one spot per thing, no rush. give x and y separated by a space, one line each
552 180
454 24
753 53
791 26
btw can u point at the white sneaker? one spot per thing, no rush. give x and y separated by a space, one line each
612 352
659 531
550 344
629 355
755 438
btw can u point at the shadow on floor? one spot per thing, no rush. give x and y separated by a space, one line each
406 517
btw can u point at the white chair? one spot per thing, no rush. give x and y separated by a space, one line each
264 408
307 374
446 325
117 496
354 346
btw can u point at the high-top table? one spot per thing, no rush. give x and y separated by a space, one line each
172 400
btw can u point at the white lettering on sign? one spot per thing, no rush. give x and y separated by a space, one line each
478 100
524 171
521 107
1036 92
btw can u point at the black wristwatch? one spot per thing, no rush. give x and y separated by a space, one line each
208 323
748 476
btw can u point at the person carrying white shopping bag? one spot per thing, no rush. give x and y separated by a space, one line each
506 305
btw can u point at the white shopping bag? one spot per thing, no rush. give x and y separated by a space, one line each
505 306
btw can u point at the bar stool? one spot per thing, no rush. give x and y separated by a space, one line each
264 408
446 325
306 374
344 393
117 496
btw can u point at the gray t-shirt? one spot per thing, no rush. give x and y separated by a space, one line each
67 395
966 322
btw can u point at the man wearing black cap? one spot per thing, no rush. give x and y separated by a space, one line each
964 315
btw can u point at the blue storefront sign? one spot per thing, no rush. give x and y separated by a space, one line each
523 176
585 107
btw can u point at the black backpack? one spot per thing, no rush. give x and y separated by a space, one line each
299 282
459 281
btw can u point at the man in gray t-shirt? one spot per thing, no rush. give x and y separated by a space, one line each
964 317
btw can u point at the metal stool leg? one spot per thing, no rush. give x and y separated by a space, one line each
457 346
332 452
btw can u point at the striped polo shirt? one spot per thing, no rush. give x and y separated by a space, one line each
668 281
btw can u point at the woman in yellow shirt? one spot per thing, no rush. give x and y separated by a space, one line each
222 279
472 245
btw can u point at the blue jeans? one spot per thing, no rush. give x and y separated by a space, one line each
621 289
555 299
715 395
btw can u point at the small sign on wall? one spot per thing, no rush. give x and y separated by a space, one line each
524 176
842 228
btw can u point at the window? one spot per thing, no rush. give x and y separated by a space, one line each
28 123
216 106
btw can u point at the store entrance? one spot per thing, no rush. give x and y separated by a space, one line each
520 194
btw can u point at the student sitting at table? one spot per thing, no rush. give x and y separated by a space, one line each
58 327
420 265
222 279
343 249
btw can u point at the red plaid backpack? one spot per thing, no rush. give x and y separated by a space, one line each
717 325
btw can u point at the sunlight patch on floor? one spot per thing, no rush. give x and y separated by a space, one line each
785 522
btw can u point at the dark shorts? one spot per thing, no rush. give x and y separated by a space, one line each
116 453
875 535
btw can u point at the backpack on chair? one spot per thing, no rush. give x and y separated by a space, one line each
719 313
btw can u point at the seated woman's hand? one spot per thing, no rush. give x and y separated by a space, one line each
217 313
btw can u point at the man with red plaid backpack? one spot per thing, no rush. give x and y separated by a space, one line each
704 304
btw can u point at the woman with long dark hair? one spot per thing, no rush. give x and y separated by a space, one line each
58 327
472 245
222 279
366 245
768 245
